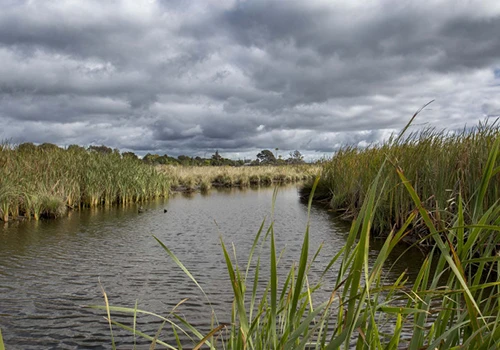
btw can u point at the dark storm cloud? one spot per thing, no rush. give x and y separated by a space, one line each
182 77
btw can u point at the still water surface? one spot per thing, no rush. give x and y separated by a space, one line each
50 269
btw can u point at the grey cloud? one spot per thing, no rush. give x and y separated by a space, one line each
187 77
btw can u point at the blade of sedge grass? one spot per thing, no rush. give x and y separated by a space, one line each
107 307
131 311
410 122
157 335
304 326
135 321
286 290
479 225
437 343
311 197
273 291
343 337
299 282
421 282
485 180
186 271
395 339
360 259
472 306
233 337
191 328
254 288
460 228
401 232
316 254
177 339
332 261
238 296
307 337
254 245
143 335
300 276
400 310
210 334
2 345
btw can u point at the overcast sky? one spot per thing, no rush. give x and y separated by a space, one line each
191 77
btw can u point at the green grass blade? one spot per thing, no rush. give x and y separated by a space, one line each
135 321
300 276
143 335
128 310
485 180
157 335
273 291
183 268
457 270
108 312
208 336
304 326
238 295
254 245
176 336
2 346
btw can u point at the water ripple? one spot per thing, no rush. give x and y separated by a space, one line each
49 270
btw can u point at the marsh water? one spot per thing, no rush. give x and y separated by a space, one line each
50 270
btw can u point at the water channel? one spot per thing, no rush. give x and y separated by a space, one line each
50 269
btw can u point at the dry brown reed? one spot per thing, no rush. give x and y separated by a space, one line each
189 178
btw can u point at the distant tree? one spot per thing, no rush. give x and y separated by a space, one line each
266 157
76 148
27 147
150 158
101 149
280 160
216 159
49 147
130 155
295 158
184 160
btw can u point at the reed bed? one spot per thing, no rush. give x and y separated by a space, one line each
190 178
454 302
440 165
45 181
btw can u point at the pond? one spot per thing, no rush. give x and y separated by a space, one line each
50 269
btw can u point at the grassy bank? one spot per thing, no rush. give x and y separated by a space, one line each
45 180
203 178
439 165
453 303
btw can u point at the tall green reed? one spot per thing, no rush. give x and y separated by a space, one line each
44 181
440 164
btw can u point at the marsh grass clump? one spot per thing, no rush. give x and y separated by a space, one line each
205 185
254 179
42 181
53 206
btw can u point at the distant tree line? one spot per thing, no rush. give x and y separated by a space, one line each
264 157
